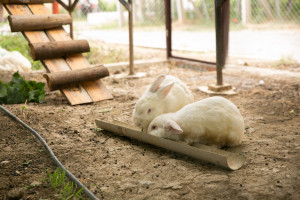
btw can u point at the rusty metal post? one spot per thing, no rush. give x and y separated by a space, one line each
130 22
168 28
222 29
129 7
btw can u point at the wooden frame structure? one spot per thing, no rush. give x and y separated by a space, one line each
84 92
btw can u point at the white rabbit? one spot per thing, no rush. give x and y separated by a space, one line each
166 94
213 121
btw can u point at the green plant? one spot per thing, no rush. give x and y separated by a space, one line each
101 55
17 42
65 189
19 90
285 61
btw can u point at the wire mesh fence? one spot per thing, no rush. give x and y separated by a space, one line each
242 12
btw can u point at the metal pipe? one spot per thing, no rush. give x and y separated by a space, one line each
129 7
131 53
168 28
222 29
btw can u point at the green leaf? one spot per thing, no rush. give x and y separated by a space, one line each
19 90
3 90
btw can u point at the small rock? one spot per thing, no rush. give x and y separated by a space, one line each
145 182
5 162
261 82
35 183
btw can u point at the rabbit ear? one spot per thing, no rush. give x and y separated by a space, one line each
155 85
173 127
163 92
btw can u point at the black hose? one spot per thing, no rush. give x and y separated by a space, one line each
57 162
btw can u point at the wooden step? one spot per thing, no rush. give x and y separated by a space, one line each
59 80
20 23
26 1
50 50
85 92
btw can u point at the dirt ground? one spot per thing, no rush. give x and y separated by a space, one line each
116 167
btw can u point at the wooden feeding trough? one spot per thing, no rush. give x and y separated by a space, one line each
62 57
228 160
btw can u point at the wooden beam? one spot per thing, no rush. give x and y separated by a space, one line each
37 22
49 50
26 1
229 160
59 80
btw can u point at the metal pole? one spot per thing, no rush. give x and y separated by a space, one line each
168 27
222 29
130 21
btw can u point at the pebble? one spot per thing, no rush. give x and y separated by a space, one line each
5 162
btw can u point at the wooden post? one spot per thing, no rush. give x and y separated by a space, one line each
65 79
37 22
49 50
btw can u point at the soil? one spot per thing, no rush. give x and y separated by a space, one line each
115 167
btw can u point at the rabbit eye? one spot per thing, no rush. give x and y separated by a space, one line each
149 110
153 127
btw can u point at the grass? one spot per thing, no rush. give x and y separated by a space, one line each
284 62
101 55
16 42
65 189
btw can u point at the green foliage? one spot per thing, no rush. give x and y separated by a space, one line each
18 43
101 55
66 189
19 90
107 6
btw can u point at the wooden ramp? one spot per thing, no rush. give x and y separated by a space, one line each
39 19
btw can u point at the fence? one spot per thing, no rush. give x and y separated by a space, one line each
243 12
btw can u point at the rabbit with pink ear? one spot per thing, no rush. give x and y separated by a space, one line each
214 121
166 94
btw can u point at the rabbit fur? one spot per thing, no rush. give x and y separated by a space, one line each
166 94
214 121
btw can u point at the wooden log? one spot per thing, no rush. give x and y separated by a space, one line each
60 80
49 50
26 1
37 22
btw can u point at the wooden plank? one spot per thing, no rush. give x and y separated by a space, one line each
58 49
26 1
229 160
75 95
95 89
37 22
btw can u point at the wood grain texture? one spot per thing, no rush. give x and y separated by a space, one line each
58 80
95 89
50 50
37 22
76 94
